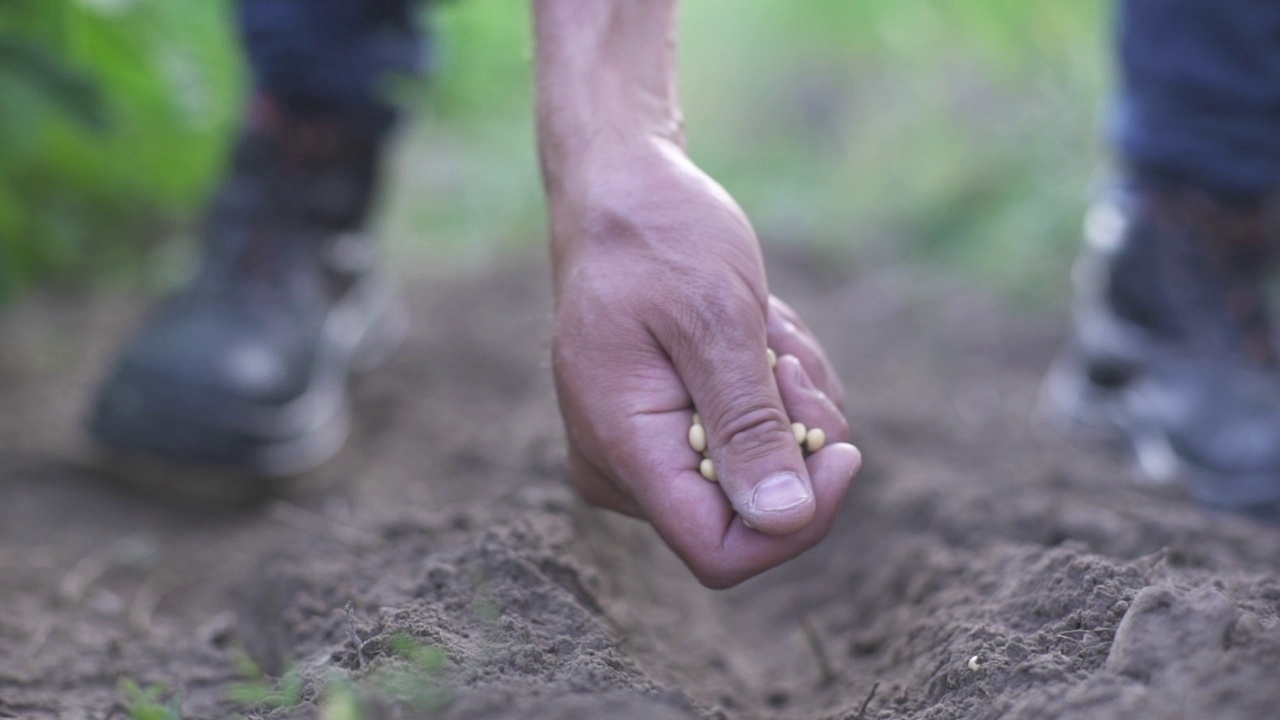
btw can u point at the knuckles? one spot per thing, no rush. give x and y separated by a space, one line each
750 427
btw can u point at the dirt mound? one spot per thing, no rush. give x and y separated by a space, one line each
984 566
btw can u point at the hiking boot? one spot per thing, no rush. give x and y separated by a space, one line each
244 373
1172 344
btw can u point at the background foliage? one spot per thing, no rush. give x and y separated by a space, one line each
958 133
112 114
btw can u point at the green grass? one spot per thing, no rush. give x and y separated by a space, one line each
149 703
409 676
958 134
260 692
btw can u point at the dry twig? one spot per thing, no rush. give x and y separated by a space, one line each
307 520
354 637
827 675
862 711
39 638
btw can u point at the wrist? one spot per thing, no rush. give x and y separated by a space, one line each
606 84
595 200
643 202
577 142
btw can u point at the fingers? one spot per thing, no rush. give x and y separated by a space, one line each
626 397
806 403
657 480
722 551
760 467
695 518
788 335
747 553
656 465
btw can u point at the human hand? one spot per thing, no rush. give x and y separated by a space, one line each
661 309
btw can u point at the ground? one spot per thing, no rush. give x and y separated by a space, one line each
984 565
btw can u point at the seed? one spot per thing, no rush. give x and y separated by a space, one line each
773 357
708 469
698 438
974 665
815 439
798 429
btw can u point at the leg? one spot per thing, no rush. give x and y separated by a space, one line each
243 374
1200 92
1172 343
333 58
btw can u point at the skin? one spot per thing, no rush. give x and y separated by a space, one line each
662 307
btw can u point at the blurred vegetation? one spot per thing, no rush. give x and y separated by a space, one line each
112 119
962 134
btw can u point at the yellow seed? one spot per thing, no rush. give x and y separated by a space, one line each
708 469
697 419
698 438
815 439
773 357
798 429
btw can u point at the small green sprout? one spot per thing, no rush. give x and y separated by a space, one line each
148 703
261 691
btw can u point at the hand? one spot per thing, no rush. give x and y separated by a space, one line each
662 309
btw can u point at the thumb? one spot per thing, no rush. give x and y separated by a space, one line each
749 437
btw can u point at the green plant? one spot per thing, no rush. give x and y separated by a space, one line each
149 703
415 680
259 691
411 677
114 117
342 702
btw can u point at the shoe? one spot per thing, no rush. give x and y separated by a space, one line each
243 375
1171 341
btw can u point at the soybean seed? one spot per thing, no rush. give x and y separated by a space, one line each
798 429
815 439
698 438
708 469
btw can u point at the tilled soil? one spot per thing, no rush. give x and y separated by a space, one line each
984 566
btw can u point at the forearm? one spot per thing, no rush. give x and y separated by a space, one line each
662 307
606 83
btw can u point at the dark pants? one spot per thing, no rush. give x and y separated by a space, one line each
334 57
1199 92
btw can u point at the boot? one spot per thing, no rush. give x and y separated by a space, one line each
242 375
1172 344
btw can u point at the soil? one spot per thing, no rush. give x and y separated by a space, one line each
984 566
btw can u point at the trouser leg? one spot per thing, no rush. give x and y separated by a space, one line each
334 57
1200 92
